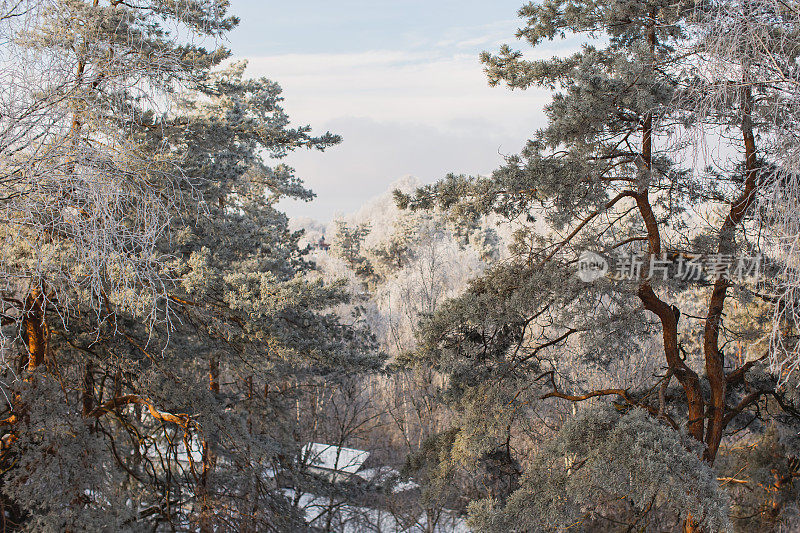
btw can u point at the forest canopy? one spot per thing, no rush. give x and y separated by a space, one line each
599 335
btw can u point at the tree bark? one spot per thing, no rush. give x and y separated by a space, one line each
687 377
88 389
35 329
669 323
690 525
714 358
206 511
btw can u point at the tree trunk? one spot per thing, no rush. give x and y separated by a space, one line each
88 389
688 379
206 510
213 374
36 331
689 524
714 357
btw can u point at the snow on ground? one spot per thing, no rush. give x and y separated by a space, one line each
355 519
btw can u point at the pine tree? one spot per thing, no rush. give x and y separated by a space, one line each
603 175
164 310
346 245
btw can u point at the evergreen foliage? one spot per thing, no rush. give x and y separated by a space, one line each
160 303
606 175
172 342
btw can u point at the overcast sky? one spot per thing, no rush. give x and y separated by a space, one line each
400 81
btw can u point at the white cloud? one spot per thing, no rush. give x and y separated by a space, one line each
396 86
376 153
400 112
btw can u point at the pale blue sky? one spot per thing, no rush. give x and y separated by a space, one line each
400 81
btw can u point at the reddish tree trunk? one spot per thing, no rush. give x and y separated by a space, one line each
35 329
206 511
